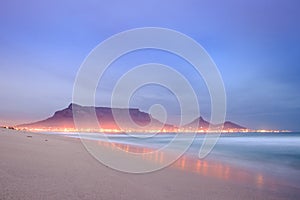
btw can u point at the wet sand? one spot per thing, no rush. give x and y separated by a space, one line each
37 166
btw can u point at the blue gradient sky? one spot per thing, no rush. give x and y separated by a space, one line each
255 44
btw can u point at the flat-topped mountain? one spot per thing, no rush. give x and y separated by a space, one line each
142 121
64 119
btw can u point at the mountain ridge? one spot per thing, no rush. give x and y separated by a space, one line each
64 119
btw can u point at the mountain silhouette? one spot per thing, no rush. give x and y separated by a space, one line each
128 119
64 119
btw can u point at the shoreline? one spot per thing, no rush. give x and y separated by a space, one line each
183 131
54 167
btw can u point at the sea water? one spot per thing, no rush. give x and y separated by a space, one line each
271 154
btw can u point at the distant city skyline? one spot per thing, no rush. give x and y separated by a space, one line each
255 45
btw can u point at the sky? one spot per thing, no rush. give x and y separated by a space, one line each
255 45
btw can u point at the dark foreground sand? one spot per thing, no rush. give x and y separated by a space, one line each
35 166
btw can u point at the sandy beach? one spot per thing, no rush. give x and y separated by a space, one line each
37 166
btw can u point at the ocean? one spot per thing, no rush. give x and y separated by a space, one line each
274 156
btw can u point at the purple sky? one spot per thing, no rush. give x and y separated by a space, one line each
255 44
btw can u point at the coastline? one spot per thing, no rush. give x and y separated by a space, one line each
39 166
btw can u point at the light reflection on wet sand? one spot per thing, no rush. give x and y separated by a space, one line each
214 169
